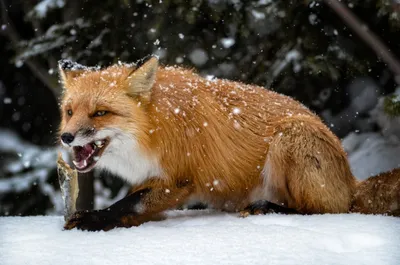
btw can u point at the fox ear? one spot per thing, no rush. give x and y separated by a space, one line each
69 69
142 79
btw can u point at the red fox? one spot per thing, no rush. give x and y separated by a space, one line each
174 135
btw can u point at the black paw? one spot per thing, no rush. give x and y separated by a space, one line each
91 221
264 207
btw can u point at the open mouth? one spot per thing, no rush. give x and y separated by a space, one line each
86 157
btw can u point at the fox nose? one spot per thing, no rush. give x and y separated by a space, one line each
67 138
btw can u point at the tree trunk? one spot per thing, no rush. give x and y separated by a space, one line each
85 199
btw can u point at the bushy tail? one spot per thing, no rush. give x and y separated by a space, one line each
378 194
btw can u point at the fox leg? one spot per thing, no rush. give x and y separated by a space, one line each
145 204
307 169
264 207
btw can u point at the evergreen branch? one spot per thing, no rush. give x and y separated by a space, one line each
37 69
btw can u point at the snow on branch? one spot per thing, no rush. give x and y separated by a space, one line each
52 39
31 166
43 7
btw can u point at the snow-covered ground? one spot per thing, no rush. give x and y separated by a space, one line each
207 237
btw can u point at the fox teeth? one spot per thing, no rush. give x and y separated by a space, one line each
77 164
98 143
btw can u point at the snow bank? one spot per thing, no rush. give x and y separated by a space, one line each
371 153
207 237
31 166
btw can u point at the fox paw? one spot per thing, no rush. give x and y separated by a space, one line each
247 212
264 207
91 221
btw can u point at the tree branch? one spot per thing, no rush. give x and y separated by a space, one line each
368 36
38 70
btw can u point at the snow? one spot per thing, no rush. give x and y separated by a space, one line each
228 42
50 40
371 153
313 19
179 59
98 40
206 237
198 56
67 64
293 56
43 7
264 2
33 167
257 15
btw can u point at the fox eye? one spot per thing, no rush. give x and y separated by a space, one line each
69 112
100 113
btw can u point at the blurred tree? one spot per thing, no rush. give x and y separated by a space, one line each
279 44
299 48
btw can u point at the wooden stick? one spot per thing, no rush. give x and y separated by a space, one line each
68 179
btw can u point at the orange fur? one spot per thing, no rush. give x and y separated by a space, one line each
233 143
379 194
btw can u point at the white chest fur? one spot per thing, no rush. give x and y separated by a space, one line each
124 158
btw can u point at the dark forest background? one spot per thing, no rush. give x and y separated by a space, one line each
300 48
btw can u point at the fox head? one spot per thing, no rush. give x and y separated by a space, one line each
104 112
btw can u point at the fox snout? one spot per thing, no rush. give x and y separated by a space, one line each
78 137
67 138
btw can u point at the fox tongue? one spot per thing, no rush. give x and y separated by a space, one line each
82 153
